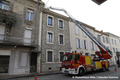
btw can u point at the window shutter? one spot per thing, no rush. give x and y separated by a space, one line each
83 45
86 44
77 43
80 43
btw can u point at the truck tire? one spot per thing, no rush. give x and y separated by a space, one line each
104 69
81 72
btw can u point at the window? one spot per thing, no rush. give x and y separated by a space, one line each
61 24
76 30
112 41
77 57
27 36
50 21
78 43
4 6
50 37
115 42
107 40
49 56
98 36
29 15
114 50
92 46
61 39
84 44
103 39
61 56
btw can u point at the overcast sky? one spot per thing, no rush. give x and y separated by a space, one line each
104 17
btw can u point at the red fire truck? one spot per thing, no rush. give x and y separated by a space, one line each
76 63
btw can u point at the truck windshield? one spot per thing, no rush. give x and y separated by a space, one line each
68 57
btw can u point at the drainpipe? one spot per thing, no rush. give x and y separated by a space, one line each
41 42
36 26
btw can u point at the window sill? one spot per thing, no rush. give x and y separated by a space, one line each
61 28
50 43
61 44
50 26
29 22
49 62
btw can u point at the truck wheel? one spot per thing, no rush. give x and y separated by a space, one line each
103 69
93 71
81 72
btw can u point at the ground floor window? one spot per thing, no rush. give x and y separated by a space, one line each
49 56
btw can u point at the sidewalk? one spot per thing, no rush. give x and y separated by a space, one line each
6 76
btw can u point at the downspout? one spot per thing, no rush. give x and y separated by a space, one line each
41 41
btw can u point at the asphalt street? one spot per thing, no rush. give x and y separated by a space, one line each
107 75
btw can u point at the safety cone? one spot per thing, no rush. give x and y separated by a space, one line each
35 76
115 69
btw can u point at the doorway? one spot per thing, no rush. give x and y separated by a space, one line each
4 64
33 62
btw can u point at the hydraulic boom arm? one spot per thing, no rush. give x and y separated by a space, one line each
104 53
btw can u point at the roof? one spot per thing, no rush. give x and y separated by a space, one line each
55 14
110 34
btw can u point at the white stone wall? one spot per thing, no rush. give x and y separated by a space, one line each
81 36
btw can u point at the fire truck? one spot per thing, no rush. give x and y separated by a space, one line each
76 63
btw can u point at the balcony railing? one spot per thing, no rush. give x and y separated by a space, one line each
8 17
8 40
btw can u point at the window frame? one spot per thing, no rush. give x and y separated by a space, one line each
85 44
28 15
62 24
103 39
59 39
47 56
80 43
92 45
52 21
107 40
76 30
59 55
52 37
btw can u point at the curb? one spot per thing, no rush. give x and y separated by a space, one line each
29 75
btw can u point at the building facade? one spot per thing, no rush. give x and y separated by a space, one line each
34 39
114 45
55 40
79 41
17 40
104 38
